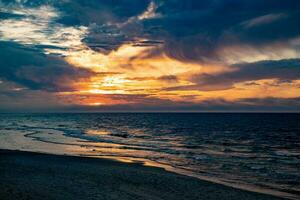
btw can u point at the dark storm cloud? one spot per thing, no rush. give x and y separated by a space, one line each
35 70
189 30
198 29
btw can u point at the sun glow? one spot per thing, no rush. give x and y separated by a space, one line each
134 69
114 81
127 71
96 104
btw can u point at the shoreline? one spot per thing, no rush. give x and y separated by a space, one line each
52 172
68 146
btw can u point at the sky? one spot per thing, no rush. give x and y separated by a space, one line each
149 55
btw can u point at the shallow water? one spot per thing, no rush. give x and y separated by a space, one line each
255 150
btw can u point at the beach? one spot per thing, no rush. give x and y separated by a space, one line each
28 175
149 100
101 154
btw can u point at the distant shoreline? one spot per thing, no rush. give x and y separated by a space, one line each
29 175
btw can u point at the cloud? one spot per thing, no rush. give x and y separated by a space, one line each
190 30
36 26
15 97
271 102
198 30
168 78
25 100
265 19
283 70
136 48
37 71
211 105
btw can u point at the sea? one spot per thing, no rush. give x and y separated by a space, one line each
253 151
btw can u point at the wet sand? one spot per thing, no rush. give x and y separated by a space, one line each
34 176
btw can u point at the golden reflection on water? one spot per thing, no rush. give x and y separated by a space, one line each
97 132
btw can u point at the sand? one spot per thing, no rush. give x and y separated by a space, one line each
26 175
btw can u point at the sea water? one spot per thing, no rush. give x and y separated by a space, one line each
259 151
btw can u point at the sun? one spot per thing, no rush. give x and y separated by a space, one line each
96 104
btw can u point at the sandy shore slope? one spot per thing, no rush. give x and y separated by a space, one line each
25 175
